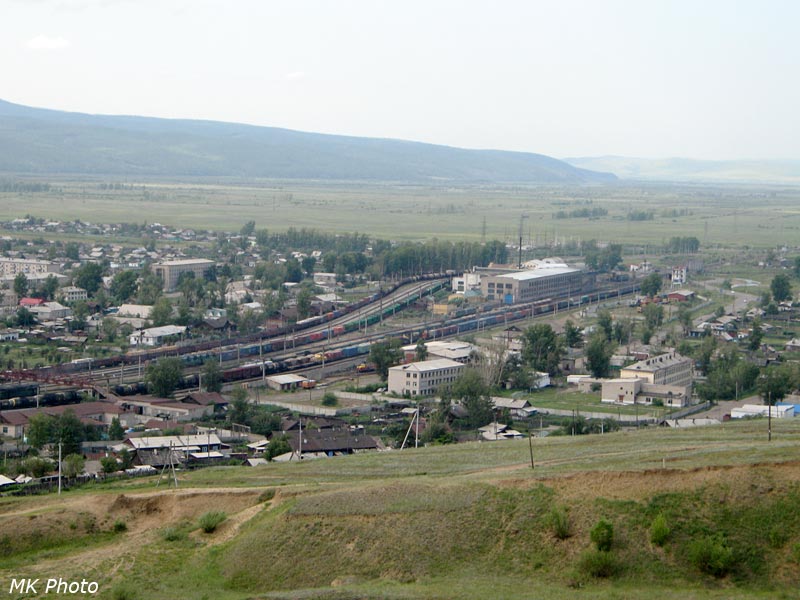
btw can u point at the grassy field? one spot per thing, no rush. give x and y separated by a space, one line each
465 521
717 215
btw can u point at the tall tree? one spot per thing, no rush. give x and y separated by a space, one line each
384 355
598 355
781 287
89 277
164 376
212 376
605 322
542 349
21 285
420 350
651 285
572 334
123 286
161 313
471 390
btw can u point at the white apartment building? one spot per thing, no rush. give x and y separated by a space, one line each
423 378
11 267
170 271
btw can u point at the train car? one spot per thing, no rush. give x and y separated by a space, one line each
334 354
17 390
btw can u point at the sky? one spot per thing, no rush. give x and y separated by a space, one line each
708 79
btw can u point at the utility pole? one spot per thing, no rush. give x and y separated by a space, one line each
59 467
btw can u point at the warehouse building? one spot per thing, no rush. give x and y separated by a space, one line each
547 280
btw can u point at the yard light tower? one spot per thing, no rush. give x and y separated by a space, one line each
521 221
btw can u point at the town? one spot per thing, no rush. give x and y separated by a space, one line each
200 348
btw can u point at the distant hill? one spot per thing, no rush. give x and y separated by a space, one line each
35 140
686 169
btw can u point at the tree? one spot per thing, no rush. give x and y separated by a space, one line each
384 355
598 355
211 376
605 322
72 465
774 384
24 317
65 428
308 263
303 303
109 464
653 315
572 334
541 348
161 313
21 285
239 408
685 319
164 376
115 430
471 390
72 251
651 285
796 267
79 313
420 351
89 277
49 287
756 335
123 286
781 287
248 229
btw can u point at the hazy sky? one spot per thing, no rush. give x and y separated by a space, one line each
698 78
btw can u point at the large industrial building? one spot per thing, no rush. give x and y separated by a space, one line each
548 279
171 270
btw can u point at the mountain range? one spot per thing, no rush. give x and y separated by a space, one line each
43 141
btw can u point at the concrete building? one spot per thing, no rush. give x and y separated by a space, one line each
284 383
423 378
170 271
548 279
50 311
11 267
638 391
72 293
664 369
466 282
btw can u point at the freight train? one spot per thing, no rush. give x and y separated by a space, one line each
464 321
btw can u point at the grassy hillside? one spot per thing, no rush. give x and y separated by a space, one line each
43 141
467 521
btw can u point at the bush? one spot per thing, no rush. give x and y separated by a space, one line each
659 530
123 592
329 399
599 563
211 520
559 523
602 535
120 526
711 555
173 534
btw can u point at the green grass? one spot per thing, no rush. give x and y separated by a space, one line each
474 521
717 214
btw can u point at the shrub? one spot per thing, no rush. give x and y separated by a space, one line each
123 592
211 520
120 526
329 399
559 522
173 534
266 495
711 555
598 563
602 535
659 530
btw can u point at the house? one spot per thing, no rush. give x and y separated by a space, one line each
517 407
423 378
158 451
680 295
792 345
285 382
165 409
155 336
497 431
330 442
31 302
50 311
14 423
